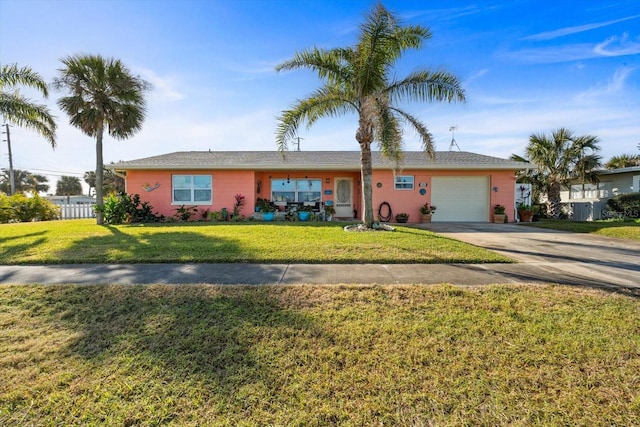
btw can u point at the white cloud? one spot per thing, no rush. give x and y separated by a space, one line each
548 35
163 86
611 47
618 46
475 76
613 86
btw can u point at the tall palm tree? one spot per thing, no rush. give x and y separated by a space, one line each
22 111
360 79
102 94
561 156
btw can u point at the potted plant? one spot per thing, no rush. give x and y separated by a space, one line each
267 209
304 212
525 212
329 211
402 217
426 211
499 215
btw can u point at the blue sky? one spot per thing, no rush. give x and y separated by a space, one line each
527 67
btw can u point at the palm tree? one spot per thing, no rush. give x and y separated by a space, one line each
360 79
102 94
587 162
623 161
560 157
20 110
24 182
68 186
90 179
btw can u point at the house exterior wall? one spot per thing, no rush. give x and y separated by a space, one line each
409 201
225 185
155 186
610 185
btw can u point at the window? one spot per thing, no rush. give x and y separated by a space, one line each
403 182
296 190
191 189
590 191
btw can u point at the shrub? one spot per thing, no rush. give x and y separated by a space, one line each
626 205
20 208
124 208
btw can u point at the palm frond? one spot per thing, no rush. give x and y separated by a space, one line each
11 76
325 102
424 85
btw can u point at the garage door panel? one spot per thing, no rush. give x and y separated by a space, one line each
460 198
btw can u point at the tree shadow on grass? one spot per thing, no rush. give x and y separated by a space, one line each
139 245
205 334
9 251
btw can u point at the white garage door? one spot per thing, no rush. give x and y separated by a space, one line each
460 198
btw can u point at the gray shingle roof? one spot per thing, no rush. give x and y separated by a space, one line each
317 160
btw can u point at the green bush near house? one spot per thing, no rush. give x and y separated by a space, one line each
20 208
626 205
124 208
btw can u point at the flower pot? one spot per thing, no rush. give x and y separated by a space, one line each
268 216
499 218
425 217
525 216
304 216
402 219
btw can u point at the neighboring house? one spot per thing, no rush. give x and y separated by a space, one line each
589 202
73 200
463 186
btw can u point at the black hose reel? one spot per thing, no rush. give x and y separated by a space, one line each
388 215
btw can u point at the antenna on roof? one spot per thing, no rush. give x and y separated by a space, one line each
297 138
453 139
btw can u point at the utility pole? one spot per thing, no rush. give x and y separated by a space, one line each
12 180
298 144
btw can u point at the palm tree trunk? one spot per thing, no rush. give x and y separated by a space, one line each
554 200
99 168
367 188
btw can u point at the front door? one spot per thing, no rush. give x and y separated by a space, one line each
344 197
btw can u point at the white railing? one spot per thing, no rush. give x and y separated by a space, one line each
75 211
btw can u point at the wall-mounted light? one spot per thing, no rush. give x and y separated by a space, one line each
328 180
495 189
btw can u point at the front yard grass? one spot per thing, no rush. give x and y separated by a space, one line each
318 355
610 228
82 241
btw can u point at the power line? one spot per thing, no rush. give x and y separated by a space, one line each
57 173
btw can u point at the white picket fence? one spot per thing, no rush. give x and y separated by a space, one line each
77 210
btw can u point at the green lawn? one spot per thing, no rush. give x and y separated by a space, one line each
318 355
619 229
82 241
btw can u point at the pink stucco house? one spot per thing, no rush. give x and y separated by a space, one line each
464 186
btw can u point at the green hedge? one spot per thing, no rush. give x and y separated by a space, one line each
20 208
626 205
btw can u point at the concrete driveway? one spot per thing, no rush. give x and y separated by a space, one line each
552 256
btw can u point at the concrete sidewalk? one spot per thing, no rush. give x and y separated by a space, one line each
285 274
